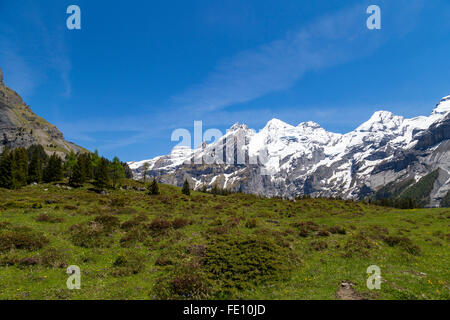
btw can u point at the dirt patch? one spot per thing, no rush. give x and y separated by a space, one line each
346 292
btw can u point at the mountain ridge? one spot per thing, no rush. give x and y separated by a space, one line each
307 159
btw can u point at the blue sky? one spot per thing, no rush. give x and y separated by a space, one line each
137 70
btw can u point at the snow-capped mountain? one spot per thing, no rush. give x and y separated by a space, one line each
286 160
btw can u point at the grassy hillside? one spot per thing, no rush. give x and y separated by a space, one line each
130 245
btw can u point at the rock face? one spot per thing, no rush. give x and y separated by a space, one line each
307 159
20 127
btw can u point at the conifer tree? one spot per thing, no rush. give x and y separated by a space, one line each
117 171
77 176
85 162
6 169
95 163
186 190
35 167
153 188
145 171
102 177
69 163
19 167
54 169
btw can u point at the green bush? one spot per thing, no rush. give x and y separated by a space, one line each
21 239
404 243
127 264
237 261
90 235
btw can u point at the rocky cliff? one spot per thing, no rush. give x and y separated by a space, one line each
21 127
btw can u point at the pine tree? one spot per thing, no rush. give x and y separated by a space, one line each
128 172
95 163
69 163
77 176
102 178
19 167
6 169
145 171
54 169
117 171
35 167
186 190
85 162
153 189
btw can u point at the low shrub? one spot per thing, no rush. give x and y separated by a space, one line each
318 245
251 223
44 217
403 242
109 222
178 223
134 222
337 230
90 235
187 282
127 264
359 244
237 261
22 239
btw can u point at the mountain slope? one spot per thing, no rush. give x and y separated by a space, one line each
21 127
307 159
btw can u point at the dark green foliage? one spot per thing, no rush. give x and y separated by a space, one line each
393 189
404 243
128 172
153 189
251 223
102 177
38 150
116 170
69 163
422 189
318 245
359 244
145 172
179 223
306 227
45 217
19 167
54 169
85 162
238 261
109 222
77 176
36 164
90 235
21 239
186 189
445 202
6 163
185 282
406 194
127 264
337 230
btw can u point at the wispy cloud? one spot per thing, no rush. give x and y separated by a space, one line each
278 65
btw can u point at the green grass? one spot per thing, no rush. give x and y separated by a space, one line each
204 246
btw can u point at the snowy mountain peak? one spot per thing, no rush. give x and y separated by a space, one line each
309 124
443 107
380 121
277 124
238 126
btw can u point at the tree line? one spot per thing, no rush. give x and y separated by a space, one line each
22 166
